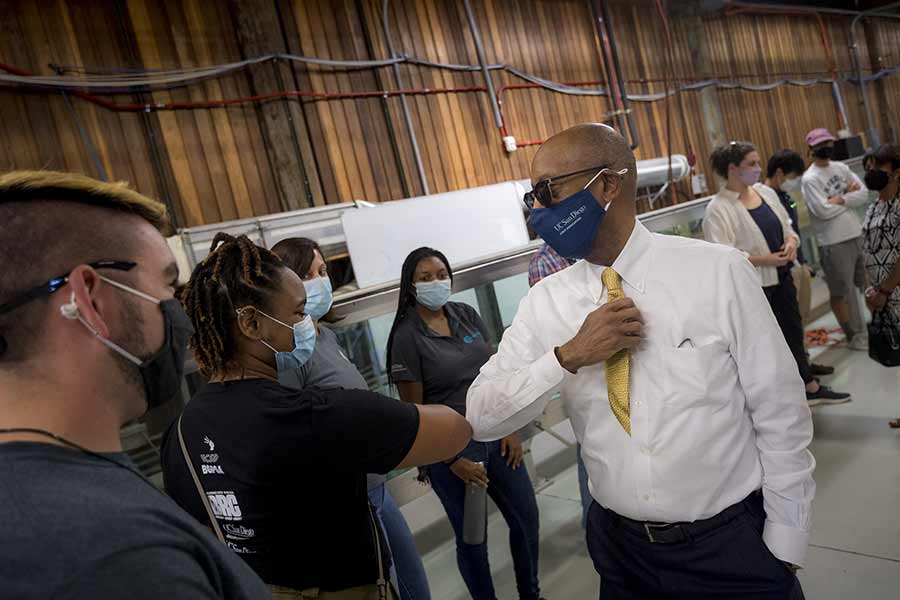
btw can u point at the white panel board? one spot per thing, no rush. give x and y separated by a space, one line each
464 225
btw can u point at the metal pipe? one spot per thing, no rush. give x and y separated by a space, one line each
85 138
871 131
806 7
610 57
413 140
385 107
617 68
479 50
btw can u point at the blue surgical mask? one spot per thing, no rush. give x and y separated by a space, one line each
318 297
569 227
433 295
304 344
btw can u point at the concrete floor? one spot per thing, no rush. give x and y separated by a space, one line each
855 548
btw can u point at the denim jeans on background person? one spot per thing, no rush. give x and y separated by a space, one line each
407 570
584 490
512 492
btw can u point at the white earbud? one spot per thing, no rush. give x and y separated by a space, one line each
70 310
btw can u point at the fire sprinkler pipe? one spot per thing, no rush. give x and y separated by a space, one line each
479 50
608 51
871 132
413 140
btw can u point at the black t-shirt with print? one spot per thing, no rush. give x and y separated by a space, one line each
285 472
445 365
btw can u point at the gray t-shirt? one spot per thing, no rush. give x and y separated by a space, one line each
329 368
77 526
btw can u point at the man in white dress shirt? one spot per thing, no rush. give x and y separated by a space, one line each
680 387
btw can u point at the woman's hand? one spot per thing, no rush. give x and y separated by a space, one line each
511 448
775 259
789 249
837 201
470 472
875 299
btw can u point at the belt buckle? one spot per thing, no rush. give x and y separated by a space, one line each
649 527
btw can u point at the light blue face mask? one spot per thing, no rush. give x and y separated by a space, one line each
318 297
433 295
304 344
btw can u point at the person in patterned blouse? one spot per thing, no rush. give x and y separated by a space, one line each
881 233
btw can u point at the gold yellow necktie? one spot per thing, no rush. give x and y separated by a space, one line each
618 364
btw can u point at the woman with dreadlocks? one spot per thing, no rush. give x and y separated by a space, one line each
330 368
278 473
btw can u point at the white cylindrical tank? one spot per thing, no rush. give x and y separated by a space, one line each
654 172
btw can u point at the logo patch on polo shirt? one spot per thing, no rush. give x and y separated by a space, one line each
472 337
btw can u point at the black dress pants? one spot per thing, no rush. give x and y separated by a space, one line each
730 562
783 300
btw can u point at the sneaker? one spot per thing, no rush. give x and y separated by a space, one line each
825 395
815 369
859 342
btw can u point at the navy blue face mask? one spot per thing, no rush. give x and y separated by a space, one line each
570 226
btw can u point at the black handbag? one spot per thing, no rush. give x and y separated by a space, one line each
884 339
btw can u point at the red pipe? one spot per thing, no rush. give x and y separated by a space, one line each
316 96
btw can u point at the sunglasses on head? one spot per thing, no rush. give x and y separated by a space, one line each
542 193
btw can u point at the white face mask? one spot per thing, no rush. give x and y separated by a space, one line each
791 185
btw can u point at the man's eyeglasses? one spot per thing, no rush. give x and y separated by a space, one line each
58 282
541 193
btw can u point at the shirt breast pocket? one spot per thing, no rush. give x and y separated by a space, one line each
691 373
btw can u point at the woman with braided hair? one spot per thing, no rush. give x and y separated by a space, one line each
330 368
280 473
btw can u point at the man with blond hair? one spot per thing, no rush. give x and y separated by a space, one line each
91 337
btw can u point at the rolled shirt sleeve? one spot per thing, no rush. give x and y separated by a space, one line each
781 418
515 385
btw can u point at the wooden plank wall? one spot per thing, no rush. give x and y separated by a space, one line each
212 165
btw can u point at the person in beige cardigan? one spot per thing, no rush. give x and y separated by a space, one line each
748 216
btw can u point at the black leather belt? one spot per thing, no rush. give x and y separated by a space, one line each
673 533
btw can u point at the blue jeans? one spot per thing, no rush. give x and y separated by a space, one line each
407 568
512 492
583 489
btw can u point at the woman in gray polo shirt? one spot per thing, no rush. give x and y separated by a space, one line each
329 367
435 350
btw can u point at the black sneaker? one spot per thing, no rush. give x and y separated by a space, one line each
825 395
815 369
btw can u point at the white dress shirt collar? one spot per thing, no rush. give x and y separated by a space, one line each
631 264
